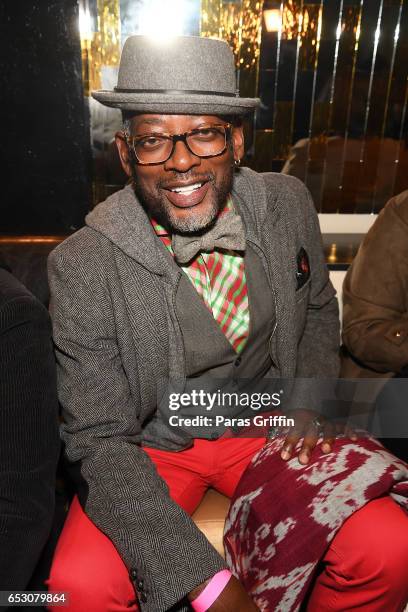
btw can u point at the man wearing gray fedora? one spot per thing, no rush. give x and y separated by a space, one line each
197 268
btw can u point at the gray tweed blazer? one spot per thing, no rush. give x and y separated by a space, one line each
112 294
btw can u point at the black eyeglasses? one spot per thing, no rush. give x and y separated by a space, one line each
158 147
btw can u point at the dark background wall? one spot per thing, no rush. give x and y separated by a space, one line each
45 152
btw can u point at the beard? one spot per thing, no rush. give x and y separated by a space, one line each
156 204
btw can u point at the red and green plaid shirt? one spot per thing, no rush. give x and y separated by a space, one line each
219 278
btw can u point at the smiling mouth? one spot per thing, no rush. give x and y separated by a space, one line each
188 189
187 196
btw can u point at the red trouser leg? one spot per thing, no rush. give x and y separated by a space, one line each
366 566
87 565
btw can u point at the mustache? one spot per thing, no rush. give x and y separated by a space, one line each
186 177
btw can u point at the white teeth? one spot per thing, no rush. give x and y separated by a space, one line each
188 189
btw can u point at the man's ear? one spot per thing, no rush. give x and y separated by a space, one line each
124 153
238 142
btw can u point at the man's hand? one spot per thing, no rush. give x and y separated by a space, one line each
233 597
311 426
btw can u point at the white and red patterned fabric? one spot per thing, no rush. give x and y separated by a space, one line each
274 542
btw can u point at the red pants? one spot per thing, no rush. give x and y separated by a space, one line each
364 567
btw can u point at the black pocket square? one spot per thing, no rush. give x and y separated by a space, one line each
303 269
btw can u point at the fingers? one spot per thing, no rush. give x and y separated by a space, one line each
309 443
311 427
310 430
310 439
290 442
329 435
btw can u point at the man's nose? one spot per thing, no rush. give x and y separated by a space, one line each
182 159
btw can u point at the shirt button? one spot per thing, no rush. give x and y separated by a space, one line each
140 585
237 362
133 574
143 597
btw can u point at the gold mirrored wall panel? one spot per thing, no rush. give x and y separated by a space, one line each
99 23
310 27
211 18
333 82
342 93
239 24
370 180
264 150
322 100
391 122
100 31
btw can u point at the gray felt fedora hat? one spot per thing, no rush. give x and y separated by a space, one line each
184 75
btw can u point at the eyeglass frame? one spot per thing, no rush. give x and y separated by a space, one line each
176 138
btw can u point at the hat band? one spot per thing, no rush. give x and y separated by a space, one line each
179 92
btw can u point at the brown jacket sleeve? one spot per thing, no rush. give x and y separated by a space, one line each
375 292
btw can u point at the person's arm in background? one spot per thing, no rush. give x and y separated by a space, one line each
29 439
375 293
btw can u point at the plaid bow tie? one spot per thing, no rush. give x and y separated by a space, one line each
227 233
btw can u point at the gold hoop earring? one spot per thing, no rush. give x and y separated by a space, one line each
237 162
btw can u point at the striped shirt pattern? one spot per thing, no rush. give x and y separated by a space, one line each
219 278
